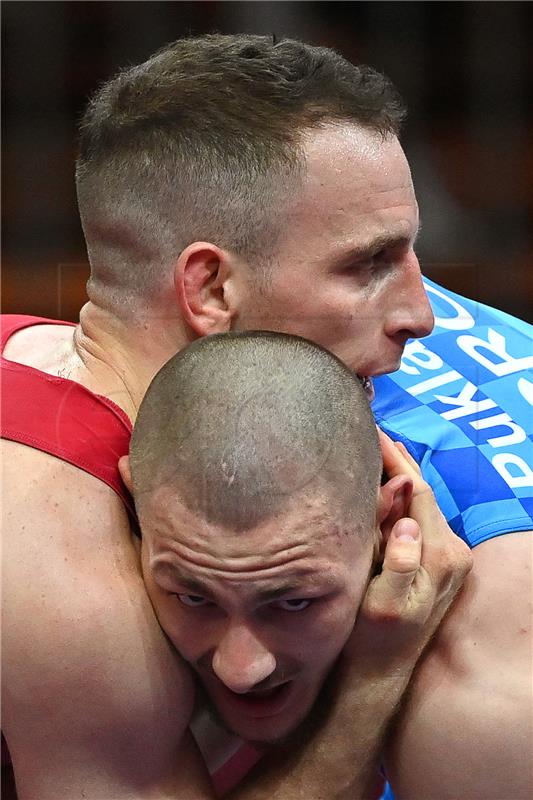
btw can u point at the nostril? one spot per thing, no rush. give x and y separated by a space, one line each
242 674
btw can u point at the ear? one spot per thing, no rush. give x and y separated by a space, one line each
393 503
125 472
201 281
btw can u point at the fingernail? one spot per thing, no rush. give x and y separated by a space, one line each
407 530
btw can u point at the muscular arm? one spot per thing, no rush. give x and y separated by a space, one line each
467 727
95 703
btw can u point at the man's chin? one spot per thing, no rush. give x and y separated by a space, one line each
276 729
273 733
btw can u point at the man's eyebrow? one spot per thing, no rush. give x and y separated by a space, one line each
290 587
198 588
164 568
380 242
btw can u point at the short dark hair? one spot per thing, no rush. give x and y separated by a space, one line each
203 142
237 424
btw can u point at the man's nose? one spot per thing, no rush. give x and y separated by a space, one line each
241 660
412 317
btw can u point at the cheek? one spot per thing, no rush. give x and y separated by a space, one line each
187 638
339 319
191 640
321 642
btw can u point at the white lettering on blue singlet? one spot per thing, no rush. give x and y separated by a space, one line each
434 383
517 435
492 353
460 320
417 353
525 388
464 403
524 476
496 346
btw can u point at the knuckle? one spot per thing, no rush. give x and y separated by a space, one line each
404 563
382 611
423 490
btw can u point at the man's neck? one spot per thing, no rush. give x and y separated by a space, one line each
119 358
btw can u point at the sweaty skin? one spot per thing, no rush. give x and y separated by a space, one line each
476 678
78 566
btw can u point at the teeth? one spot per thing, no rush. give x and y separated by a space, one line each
367 386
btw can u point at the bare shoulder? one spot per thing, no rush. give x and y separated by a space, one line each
88 676
40 346
471 699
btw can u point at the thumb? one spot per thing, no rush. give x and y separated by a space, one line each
392 587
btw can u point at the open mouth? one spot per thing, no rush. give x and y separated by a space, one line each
258 703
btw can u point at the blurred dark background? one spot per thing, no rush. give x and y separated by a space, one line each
465 69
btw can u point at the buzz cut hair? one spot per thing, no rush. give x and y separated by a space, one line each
204 142
238 425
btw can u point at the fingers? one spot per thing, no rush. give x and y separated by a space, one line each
407 456
423 507
397 461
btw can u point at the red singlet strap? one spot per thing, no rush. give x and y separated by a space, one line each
62 417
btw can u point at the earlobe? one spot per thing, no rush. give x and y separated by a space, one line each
393 502
200 277
125 472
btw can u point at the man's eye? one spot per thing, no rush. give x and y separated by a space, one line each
293 605
193 600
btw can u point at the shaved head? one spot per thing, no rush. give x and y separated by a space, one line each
239 424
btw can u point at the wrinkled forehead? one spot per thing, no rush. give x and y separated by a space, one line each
308 526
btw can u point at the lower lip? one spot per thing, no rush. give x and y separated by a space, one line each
255 705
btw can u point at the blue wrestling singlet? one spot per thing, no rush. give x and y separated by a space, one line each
462 403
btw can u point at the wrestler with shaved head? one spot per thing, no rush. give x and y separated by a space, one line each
256 486
255 469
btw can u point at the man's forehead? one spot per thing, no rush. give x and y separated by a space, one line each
261 582
306 521
356 183
333 151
